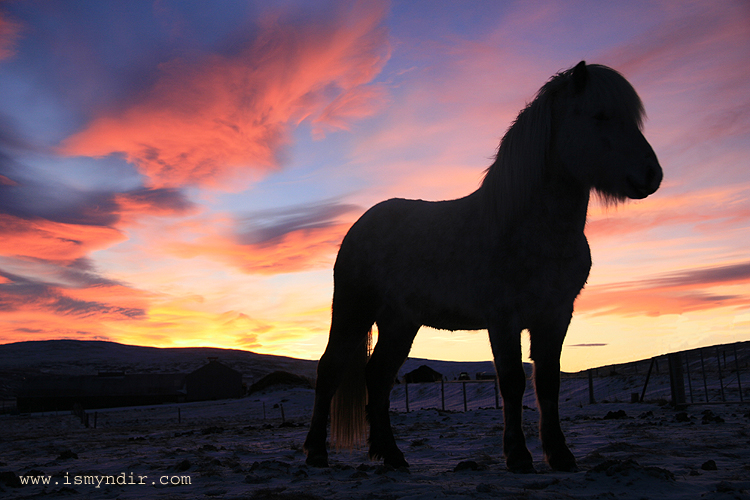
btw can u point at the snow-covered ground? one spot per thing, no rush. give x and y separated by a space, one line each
231 449
251 448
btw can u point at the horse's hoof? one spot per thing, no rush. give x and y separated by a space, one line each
320 461
395 459
566 468
521 468
392 458
520 462
563 461
397 463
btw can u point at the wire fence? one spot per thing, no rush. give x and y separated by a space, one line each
718 374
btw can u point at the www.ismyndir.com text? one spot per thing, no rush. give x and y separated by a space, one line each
122 479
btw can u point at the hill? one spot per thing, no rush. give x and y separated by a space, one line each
21 360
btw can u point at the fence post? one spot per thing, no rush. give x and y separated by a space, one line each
465 408
690 382
676 381
737 367
721 380
591 387
703 372
406 395
442 393
648 376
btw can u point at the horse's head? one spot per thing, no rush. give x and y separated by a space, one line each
596 134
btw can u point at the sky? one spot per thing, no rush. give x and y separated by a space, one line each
181 173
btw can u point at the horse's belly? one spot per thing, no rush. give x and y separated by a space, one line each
452 321
445 311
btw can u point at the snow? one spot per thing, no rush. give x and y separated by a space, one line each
230 449
251 448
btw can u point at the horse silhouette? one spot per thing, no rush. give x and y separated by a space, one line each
510 256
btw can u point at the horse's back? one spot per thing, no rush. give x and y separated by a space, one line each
419 257
406 233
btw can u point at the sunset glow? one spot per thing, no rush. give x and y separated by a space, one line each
180 174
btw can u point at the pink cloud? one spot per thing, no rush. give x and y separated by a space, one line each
298 250
709 210
53 241
688 34
10 31
671 293
205 121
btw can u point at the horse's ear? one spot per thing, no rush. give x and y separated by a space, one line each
580 75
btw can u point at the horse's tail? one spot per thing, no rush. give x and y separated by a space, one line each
348 407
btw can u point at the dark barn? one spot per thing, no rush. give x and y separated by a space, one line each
102 391
113 389
423 374
214 381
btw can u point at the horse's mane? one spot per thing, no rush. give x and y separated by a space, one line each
522 156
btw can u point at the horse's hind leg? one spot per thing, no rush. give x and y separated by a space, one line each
546 344
350 323
505 339
395 336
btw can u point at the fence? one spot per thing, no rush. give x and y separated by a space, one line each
460 395
714 376
718 374
699 376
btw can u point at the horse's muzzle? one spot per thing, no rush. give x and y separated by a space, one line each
645 182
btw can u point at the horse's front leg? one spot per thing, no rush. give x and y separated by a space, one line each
546 344
395 336
505 338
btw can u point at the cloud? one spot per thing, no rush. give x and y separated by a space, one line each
54 241
59 203
691 69
284 240
685 36
703 277
269 226
671 293
22 294
206 120
31 194
708 210
10 31
28 194
158 201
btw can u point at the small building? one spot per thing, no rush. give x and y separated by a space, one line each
423 374
113 389
214 381
58 393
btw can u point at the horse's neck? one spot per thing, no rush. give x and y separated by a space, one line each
554 219
562 206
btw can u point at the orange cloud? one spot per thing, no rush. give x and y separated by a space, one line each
34 310
54 241
710 209
295 251
671 293
284 240
203 122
